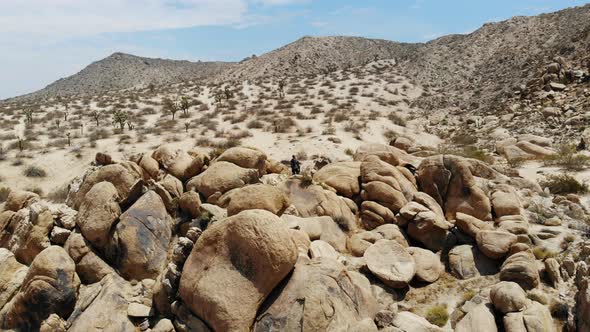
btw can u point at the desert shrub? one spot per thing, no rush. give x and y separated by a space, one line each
4 191
561 184
396 119
348 152
437 315
33 171
301 155
36 190
567 158
515 162
59 195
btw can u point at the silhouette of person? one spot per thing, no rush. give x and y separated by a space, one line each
295 165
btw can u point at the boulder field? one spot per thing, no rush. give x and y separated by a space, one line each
178 241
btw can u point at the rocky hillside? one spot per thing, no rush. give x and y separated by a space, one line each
318 55
123 71
357 245
481 69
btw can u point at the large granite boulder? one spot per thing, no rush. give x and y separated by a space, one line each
425 221
99 210
466 262
103 307
123 176
234 266
521 268
449 180
341 176
50 286
391 263
315 201
245 157
139 243
178 162
221 177
320 295
255 197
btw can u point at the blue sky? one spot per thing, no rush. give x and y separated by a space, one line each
43 40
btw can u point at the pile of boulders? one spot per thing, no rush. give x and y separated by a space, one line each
175 241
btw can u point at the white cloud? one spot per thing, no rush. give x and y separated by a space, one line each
57 19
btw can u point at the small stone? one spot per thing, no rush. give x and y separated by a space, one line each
182 250
59 235
138 310
384 318
193 234
554 221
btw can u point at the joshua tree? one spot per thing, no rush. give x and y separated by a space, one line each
120 117
185 104
57 122
227 93
96 115
171 107
218 97
282 88
20 143
29 115
186 125
69 135
66 111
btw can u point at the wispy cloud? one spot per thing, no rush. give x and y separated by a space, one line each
59 19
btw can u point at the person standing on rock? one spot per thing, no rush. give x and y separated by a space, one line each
295 165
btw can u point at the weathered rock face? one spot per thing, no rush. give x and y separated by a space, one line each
385 190
521 268
535 318
221 177
246 158
391 263
471 225
409 322
448 179
26 232
89 266
178 162
428 265
583 302
103 306
320 295
140 240
388 154
50 286
466 261
319 228
123 178
480 319
342 176
315 201
18 199
99 210
508 297
425 221
253 197
12 276
495 244
233 267
505 201
190 202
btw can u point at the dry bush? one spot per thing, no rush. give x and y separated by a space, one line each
33 171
